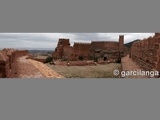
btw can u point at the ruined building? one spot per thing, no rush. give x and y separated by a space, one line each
88 51
8 59
146 52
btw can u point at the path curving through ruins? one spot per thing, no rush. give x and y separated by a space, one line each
45 70
26 68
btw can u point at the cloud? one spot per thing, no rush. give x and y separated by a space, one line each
49 40
128 37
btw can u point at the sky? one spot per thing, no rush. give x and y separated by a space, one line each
48 41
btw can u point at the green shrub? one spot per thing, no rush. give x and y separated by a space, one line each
48 59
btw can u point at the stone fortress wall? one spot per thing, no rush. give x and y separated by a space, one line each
109 49
8 59
146 53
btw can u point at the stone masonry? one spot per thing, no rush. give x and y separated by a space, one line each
104 49
7 61
146 52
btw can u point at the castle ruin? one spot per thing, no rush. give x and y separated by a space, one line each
88 51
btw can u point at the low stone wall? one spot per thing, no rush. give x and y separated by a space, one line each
38 59
30 56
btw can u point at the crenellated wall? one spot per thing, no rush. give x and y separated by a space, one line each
86 50
105 44
146 52
63 42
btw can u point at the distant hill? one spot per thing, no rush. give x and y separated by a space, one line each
40 51
128 45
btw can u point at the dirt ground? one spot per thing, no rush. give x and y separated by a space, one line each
90 71
49 73
26 68
130 65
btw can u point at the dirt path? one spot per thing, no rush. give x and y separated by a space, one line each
26 68
129 65
48 72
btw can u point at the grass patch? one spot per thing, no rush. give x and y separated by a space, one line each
99 71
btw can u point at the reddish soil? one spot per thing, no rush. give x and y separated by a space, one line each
129 65
25 69
45 70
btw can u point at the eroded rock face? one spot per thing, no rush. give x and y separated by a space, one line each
147 52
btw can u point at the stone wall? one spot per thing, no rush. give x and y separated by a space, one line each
58 54
4 65
146 52
63 42
19 53
7 61
87 50
82 49
68 53
30 56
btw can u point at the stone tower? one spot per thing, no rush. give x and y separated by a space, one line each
121 43
60 46
63 42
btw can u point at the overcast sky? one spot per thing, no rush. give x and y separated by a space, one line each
49 40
